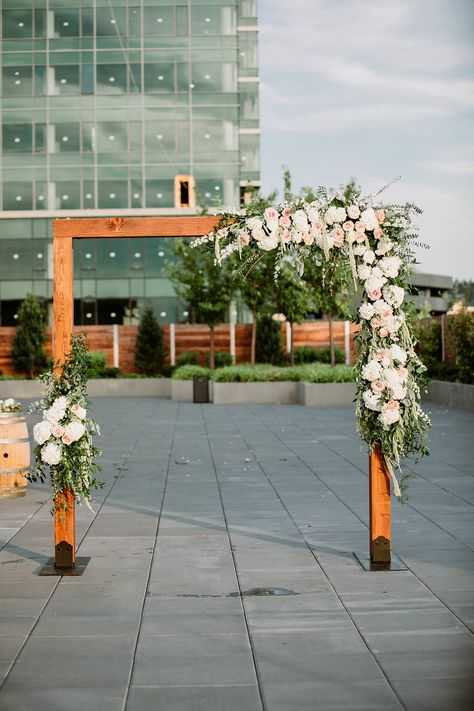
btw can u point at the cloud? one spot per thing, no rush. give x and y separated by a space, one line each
450 167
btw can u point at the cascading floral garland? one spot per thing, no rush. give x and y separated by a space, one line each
373 240
64 436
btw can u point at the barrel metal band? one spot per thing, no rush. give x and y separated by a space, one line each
13 440
14 470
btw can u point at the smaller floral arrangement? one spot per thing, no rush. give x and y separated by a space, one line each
64 435
10 405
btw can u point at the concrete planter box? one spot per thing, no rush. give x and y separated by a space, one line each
458 395
28 389
183 390
253 393
322 394
129 387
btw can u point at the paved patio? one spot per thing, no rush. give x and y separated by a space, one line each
204 505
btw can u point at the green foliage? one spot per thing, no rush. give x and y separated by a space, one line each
64 396
187 372
96 361
222 359
188 358
463 291
307 354
28 344
149 346
317 373
428 347
461 329
269 345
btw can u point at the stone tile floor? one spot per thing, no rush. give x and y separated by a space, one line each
203 504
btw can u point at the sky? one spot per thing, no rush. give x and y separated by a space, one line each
376 89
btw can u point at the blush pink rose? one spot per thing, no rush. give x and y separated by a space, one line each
378 232
284 221
244 240
403 373
66 439
286 212
376 323
377 386
271 214
360 226
308 239
353 212
318 225
286 237
360 237
391 405
375 294
380 215
348 226
57 431
338 236
383 333
383 354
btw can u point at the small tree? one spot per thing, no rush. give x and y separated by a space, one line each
207 288
294 298
149 346
257 288
28 345
269 341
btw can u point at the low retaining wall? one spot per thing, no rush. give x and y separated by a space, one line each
452 394
253 393
322 394
129 387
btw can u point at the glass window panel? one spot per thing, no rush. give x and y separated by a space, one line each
39 256
87 84
248 50
68 195
135 133
40 137
110 21
157 252
210 188
66 23
134 21
40 23
88 192
113 193
137 254
85 255
113 257
160 135
17 81
67 79
68 137
87 20
16 258
17 195
112 137
205 20
17 24
159 78
40 81
88 137
17 138
182 21
41 192
207 76
136 193
183 77
135 78
158 21
159 193
111 79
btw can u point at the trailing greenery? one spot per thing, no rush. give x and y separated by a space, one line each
307 354
30 336
149 346
187 372
64 437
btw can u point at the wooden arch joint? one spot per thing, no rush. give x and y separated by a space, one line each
116 223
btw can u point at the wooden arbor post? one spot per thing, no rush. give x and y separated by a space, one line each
379 509
64 234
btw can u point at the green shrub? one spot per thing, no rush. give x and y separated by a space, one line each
323 373
318 373
111 373
269 341
307 354
188 358
149 346
428 347
96 364
221 359
187 372
30 336
461 329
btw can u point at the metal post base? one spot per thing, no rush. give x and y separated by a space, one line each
393 564
78 568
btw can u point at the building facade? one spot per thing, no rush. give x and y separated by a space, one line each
116 107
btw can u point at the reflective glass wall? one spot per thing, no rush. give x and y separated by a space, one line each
104 102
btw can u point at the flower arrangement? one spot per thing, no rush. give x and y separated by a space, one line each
64 435
10 405
373 241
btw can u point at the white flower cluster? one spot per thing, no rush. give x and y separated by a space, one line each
9 405
62 424
387 383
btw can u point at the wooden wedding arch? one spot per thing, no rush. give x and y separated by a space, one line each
65 231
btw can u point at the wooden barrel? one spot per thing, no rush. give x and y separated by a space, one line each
14 454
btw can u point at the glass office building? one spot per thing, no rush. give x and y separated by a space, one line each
119 108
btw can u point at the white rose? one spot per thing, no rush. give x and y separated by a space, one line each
340 214
268 242
369 218
75 430
384 246
254 223
51 453
399 392
390 266
371 400
389 417
79 411
393 324
313 214
57 410
391 377
369 256
372 370
300 219
367 311
399 354
373 283
381 306
353 212
394 295
42 432
364 271
377 272
330 216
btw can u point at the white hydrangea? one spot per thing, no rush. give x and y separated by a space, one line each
399 354
369 256
377 272
371 400
268 242
367 311
330 216
399 392
57 410
394 295
381 306
389 417
313 214
364 271
391 377
300 219
372 370
369 218
384 245
340 214
75 430
393 323
359 249
390 266
51 454
42 432
373 284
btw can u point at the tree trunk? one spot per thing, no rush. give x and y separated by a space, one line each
254 340
292 346
211 348
331 342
